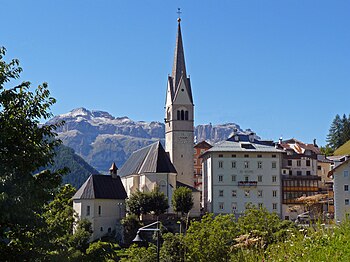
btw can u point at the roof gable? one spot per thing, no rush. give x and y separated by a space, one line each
150 159
101 187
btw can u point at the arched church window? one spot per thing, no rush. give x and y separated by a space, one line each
186 115
182 115
178 115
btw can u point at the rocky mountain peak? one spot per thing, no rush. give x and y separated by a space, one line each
101 139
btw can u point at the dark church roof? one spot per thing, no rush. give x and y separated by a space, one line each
101 187
150 159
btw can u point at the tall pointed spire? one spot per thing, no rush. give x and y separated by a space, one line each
179 68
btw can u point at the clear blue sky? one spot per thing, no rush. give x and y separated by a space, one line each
277 67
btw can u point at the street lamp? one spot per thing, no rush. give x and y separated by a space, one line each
138 238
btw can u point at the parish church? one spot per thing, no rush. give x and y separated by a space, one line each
173 166
152 166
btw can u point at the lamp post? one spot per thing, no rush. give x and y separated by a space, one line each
139 239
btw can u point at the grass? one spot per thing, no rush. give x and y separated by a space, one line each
343 150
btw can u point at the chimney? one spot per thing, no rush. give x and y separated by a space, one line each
113 171
315 143
280 140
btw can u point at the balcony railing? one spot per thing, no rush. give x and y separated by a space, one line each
247 183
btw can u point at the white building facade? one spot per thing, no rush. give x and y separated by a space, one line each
341 178
242 171
101 200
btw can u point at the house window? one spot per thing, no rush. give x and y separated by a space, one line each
274 178
233 164
346 187
260 205
186 115
307 162
346 202
221 155
234 206
221 193
289 162
221 164
259 178
87 210
221 206
109 230
221 178
273 156
274 206
246 178
233 156
308 173
259 156
234 193
346 173
101 229
259 164
178 115
246 193
319 168
246 156
274 164
99 210
246 164
299 173
260 193
298 162
274 193
233 178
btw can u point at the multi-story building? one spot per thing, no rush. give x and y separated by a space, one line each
341 179
199 149
241 171
299 177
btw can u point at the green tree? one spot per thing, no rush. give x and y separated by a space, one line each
210 238
25 146
339 132
154 202
182 200
131 224
158 202
137 203
258 222
173 248
140 254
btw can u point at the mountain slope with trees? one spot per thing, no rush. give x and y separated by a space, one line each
339 132
79 170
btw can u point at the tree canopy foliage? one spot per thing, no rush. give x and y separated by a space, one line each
25 146
154 202
339 132
182 200
36 214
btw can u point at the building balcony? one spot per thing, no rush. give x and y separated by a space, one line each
300 188
247 183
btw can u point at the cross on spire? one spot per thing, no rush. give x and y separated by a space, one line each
179 14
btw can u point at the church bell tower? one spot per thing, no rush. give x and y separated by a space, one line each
179 116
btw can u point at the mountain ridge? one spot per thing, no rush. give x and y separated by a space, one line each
100 138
